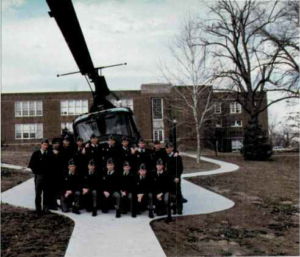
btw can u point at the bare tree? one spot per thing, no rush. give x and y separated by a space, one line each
190 73
247 66
283 35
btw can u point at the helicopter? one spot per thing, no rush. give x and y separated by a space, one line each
104 119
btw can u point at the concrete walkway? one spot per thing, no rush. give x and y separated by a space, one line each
107 236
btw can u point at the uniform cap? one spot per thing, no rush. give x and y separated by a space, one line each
71 162
126 164
110 161
93 136
92 162
45 140
55 140
160 162
111 137
141 140
79 139
124 138
156 142
67 138
142 166
169 144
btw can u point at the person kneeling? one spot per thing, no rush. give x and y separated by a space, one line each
161 189
128 190
90 189
143 190
71 189
111 189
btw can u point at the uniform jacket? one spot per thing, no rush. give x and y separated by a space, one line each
174 165
111 152
160 154
143 156
91 181
111 183
126 155
81 160
127 182
161 182
39 163
144 186
72 182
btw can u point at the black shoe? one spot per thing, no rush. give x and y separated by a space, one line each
94 213
184 200
151 216
133 215
104 210
76 211
118 214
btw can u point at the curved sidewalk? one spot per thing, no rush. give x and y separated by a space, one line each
105 235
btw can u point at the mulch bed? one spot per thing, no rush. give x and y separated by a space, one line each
24 233
264 220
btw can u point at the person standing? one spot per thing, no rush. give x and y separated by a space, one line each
174 167
111 150
126 155
40 165
80 157
93 152
142 155
158 152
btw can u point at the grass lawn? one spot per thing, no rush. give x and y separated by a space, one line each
23 233
264 220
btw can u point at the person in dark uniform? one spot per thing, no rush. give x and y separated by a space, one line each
143 155
40 165
111 188
161 189
80 157
57 173
91 188
128 194
71 189
66 152
143 191
158 152
111 150
93 152
126 155
174 167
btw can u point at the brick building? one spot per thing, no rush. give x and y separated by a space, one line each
27 117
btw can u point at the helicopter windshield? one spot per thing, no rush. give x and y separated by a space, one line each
106 124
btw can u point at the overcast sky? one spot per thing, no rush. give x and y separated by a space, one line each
116 31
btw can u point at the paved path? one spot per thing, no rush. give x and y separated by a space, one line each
107 236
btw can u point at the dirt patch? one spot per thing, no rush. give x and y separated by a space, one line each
11 178
26 234
20 158
191 166
264 220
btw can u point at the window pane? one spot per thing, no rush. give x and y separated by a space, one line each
71 106
64 107
25 108
32 108
157 108
39 108
39 133
78 107
18 109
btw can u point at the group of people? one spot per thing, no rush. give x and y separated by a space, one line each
107 176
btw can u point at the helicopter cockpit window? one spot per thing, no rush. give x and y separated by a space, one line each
87 128
117 124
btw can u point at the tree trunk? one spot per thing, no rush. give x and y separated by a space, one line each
198 146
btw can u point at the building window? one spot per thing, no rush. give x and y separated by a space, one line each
28 131
236 145
158 135
126 103
73 107
218 108
28 108
236 123
157 108
235 108
68 125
